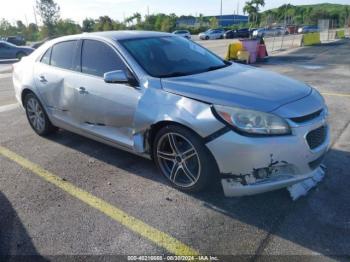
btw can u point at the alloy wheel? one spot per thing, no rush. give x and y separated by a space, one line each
178 159
36 114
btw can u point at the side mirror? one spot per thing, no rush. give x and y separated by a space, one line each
114 77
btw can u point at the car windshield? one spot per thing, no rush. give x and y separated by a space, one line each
171 56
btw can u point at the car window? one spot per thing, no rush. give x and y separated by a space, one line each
171 56
46 57
5 45
99 58
62 54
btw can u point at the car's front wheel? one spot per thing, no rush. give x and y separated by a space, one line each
37 116
183 159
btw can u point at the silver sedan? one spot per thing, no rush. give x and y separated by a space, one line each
201 119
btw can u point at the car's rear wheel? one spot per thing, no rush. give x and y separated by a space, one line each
207 38
183 159
20 55
37 116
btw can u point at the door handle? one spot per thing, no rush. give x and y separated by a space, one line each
82 90
42 79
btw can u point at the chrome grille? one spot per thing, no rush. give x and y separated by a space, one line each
316 137
306 118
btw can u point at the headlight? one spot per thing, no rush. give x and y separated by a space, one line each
252 122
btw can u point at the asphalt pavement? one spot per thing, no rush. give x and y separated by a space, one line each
49 188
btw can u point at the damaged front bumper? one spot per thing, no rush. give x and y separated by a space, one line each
253 165
233 189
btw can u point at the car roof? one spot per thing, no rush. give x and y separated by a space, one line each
122 35
110 36
5 42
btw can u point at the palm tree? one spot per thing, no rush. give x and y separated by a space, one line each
257 4
250 10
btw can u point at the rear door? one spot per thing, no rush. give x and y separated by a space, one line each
54 76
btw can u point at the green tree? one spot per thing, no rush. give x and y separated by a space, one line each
49 12
214 23
200 20
21 28
67 27
88 25
250 9
104 23
32 32
6 29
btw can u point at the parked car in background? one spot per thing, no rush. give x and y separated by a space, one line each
183 33
36 45
308 29
16 40
200 118
292 29
212 34
266 32
239 33
11 51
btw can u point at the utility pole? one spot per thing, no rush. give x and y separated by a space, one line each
36 21
285 15
220 13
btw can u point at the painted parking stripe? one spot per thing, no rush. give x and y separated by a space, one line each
8 107
158 237
336 94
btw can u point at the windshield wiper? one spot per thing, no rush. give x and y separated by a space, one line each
212 68
174 74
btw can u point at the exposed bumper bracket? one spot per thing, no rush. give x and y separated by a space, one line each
300 189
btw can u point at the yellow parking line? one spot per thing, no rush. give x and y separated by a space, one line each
336 94
158 237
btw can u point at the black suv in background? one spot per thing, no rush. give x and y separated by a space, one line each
16 40
240 33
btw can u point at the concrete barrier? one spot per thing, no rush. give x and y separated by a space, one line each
283 42
347 32
340 34
311 39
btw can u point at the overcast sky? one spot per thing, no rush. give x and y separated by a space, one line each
77 10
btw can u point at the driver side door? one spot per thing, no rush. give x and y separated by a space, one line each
105 110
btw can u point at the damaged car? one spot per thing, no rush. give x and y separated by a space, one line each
200 118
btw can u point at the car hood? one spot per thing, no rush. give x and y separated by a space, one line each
239 86
26 48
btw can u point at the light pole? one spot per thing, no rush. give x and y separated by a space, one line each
220 13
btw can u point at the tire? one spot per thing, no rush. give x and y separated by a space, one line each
20 55
207 38
181 157
37 116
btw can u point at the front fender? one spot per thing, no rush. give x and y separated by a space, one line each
158 105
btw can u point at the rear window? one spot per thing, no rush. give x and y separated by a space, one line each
63 54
